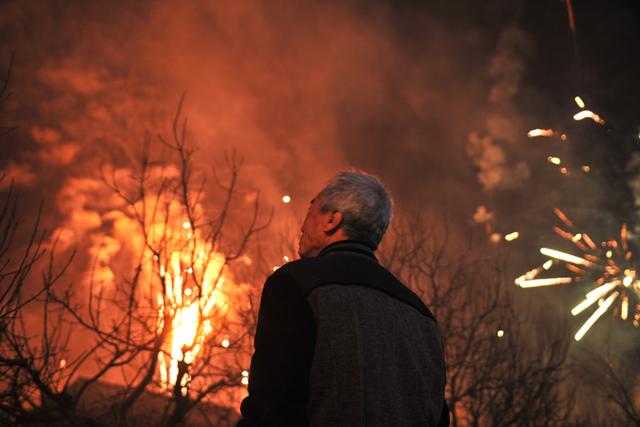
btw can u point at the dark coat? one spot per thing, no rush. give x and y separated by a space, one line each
341 342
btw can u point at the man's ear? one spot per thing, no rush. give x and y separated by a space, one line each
333 222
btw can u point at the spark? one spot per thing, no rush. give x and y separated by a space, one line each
602 290
547 265
624 309
225 343
563 256
587 114
545 282
579 102
629 277
533 133
586 168
62 363
529 275
563 217
500 333
186 225
589 242
512 236
595 316
553 159
593 296
286 199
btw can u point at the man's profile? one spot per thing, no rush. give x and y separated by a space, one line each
340 341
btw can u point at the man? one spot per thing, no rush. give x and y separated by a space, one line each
340 341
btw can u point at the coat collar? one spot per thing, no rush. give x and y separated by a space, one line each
348 246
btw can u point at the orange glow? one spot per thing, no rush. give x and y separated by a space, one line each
563 217
191 301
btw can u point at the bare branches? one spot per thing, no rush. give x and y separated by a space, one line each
496 374
168 326
5 94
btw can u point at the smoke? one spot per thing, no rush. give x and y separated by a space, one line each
299 89
489 151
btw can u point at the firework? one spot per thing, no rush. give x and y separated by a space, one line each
607 269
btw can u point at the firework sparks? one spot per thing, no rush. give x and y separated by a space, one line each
588 114
563 256
534 133
595 316
608 266
545 282
512 236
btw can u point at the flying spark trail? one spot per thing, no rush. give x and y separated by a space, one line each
587 114
533 133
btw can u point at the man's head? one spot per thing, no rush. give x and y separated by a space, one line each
353 205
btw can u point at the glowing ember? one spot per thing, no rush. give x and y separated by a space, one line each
554 160
512 236
286 199
533 133
579 102
500 333
586 114
545 282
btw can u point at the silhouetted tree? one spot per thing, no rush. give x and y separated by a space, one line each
173 332
502 368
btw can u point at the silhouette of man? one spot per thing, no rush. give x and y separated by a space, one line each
340 341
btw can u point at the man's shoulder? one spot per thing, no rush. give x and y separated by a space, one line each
347 269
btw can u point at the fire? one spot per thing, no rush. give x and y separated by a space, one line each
191 301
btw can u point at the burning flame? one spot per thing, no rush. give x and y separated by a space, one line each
191 301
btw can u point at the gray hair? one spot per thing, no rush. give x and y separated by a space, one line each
365 204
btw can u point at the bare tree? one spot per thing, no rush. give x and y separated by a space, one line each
172 332
5 94
501 369
612 376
